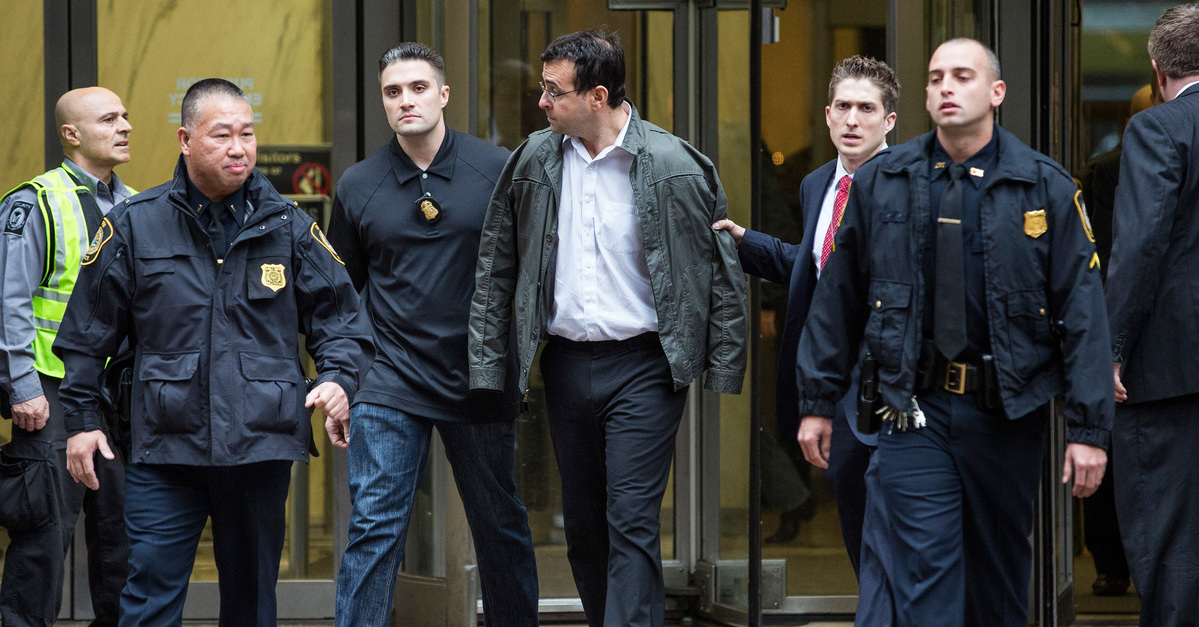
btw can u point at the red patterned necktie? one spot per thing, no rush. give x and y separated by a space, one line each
838 209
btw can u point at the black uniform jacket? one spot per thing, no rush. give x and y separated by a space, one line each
217 375
1153 284
1040 267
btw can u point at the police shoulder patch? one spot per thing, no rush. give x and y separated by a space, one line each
17 217
1082 214
103 234
319 236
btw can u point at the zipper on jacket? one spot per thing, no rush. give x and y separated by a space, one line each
329 281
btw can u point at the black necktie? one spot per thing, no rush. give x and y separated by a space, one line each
216 228
949 329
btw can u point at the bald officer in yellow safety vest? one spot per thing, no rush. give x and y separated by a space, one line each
47 224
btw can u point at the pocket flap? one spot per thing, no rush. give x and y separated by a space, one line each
1029 303
267 368
889 295
170 367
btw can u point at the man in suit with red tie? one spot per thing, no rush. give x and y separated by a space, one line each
863 95
1151 303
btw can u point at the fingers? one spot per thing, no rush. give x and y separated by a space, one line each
730 226
1085 465
331 399
1121 393
31 415
81 449
105 450
815 437
339 434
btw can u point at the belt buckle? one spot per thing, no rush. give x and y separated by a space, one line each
955 378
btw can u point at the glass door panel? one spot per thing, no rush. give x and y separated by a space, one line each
24 137
1115 80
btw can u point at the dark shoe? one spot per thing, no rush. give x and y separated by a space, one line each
1106 586
789 522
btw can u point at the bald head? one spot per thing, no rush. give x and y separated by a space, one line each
93 128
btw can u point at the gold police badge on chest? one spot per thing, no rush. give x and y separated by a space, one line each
429 208
1035 224
273 276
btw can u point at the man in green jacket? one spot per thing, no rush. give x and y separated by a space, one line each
598 236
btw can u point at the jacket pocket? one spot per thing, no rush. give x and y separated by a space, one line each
270 394
171 393
1029 337
890 308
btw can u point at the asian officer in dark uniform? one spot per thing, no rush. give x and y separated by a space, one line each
964 263
212 277
1155 329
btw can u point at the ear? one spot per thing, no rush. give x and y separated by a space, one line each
828 119
184 141
599 96
70 134
889 122
1161 76
998 92
445 95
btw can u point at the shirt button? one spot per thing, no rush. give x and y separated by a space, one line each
424 175
878 304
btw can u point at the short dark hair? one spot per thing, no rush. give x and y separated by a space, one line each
992 58
598 60
412 51
202 90
868 68
1174 41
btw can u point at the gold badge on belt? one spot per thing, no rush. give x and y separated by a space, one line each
429 209
1035 224
273 276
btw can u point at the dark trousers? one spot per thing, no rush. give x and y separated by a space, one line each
846 473
31 591
613 414
166 510
876 602
1101 530
1157 502
961 494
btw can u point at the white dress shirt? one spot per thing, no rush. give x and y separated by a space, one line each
601 283
826 213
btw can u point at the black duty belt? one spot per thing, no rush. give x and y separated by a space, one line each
978 378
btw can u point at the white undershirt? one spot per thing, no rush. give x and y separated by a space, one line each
601 283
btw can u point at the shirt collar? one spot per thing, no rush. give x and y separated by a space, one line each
841 171
977 164
443 162
196 200
619 143
116 187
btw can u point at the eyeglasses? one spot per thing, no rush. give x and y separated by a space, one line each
554 96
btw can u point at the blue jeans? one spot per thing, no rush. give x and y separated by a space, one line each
388 452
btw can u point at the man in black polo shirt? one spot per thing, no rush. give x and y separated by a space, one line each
407 222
